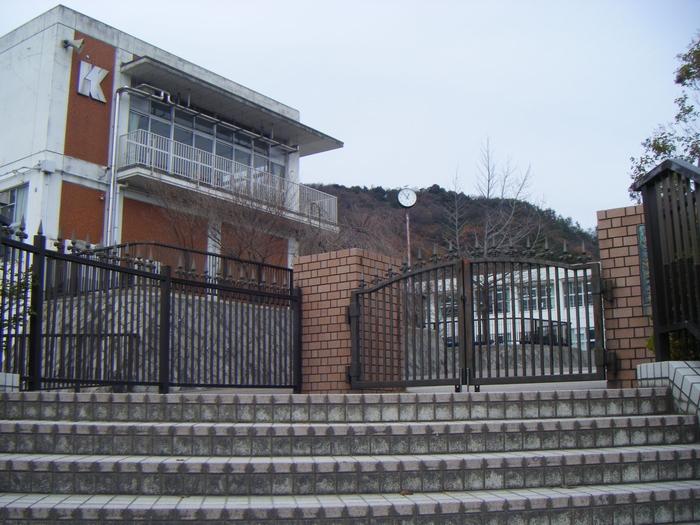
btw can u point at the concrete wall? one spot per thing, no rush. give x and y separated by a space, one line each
33 97
33 94
627 327
62 16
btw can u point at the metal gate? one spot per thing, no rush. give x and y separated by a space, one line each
479 322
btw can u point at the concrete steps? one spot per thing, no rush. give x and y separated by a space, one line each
286 439
239 476
338 408
636 504
567 457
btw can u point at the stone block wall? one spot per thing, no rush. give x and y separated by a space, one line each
327 281
627 326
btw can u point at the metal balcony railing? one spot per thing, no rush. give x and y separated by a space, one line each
246 184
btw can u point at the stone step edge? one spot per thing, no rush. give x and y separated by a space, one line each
349 464
358 398
285 429
666 496
218 410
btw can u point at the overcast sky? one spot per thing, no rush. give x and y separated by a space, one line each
414 89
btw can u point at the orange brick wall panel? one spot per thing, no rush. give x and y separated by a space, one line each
88 120
147 222
327 281
273 250
82 213
627 327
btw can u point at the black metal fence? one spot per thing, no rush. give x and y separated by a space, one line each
71 321
479 322
672 222
206 266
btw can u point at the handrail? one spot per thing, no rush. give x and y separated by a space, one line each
141 148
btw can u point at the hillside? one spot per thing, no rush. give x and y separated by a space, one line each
372 218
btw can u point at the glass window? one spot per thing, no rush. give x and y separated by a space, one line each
242 157
529 297
278 156
203 143
160 128
203 124
277 169
260 163
578 293
13 204
546 295
137 121
243 140
224 150
182 135
139 104
260 147
224 133
184 119
582 337
537 297
502 299
160 110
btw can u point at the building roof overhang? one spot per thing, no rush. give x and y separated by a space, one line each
229 106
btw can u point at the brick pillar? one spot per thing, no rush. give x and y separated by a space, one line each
627 327
326 281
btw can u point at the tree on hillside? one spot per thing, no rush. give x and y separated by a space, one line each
681 137
358 228
501 217
456 220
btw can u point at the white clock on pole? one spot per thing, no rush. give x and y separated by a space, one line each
407 197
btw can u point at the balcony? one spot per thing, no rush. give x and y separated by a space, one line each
144 155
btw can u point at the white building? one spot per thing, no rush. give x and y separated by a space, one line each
534 304
99 125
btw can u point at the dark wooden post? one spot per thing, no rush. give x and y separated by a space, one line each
657 289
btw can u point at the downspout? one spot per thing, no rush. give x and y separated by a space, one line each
110 236
113 186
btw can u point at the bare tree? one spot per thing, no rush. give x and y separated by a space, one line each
235 225
500 217
456 223
357 229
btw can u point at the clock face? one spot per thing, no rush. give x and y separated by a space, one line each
407 197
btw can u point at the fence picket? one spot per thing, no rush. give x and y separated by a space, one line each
96 320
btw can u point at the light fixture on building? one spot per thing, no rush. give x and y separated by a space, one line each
76 44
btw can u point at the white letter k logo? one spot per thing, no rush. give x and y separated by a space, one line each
89 81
